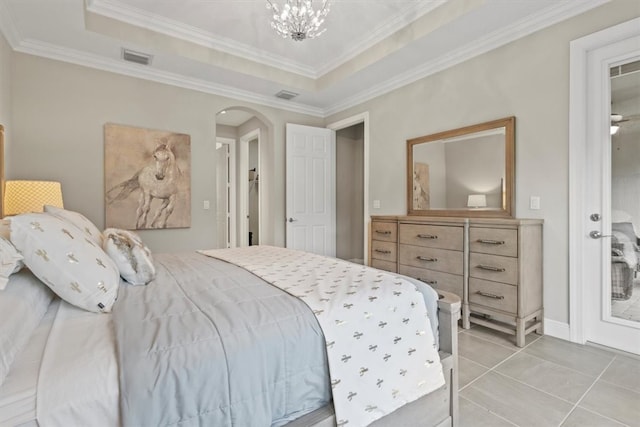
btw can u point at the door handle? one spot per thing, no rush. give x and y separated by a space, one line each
595 234
292 220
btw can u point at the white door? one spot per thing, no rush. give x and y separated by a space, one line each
310 189
612 203
225 192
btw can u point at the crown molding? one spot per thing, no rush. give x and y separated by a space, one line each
409 14
519 29
46 50
7 25
160 24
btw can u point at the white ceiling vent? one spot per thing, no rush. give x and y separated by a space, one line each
137 57
285 94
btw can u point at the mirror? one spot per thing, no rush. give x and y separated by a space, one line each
463 172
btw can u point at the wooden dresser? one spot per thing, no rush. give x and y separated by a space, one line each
493 265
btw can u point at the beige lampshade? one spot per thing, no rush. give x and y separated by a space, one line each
30 196
477 201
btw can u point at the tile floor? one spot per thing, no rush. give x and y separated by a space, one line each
547 383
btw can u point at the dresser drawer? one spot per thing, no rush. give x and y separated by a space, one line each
499 296
437 279
384 265
495 241
384 231
494 267
433 259
385 251
432 236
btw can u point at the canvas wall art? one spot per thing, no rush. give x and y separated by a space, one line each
421 186
147 178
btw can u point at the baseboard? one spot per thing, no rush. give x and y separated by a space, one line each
557 329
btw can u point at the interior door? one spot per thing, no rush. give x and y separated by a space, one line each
310 189
613 214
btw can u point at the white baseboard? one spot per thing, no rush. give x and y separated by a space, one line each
557 329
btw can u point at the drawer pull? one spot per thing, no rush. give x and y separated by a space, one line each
428 282
427 236
382 251
385 232
488 295
424 258
491 242
491 268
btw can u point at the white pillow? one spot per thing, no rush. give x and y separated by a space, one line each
10 262
78 220
74 267
22 305
132 257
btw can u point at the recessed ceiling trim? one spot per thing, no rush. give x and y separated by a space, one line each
46 50
160 24
517 30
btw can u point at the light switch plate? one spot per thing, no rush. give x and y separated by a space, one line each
534 203
206 205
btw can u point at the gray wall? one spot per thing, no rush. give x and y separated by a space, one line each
529 79
59 110
5 89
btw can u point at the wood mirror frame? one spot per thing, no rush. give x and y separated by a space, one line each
504 198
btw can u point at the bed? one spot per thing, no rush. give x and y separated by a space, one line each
74 366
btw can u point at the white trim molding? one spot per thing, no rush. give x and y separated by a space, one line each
556 329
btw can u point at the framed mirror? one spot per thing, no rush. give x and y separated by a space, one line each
467 172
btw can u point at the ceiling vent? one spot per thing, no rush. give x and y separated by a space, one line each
137 57
620 70
285 94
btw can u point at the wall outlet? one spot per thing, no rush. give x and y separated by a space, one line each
376 204
534 203
206 205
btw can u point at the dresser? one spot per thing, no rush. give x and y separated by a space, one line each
493 265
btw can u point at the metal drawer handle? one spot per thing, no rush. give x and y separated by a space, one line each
383 232
424 258
488 295
491 242
428 282
491 268
426 236
382 251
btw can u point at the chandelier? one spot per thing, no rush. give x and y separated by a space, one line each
298 19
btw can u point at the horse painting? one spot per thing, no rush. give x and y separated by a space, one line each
157 179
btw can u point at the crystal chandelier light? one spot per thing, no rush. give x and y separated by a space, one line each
298 19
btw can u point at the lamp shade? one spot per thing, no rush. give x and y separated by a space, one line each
477 201
30 196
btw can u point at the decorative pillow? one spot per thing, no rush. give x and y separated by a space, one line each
132 257
66 260
5 228
22 305
78 220
10 261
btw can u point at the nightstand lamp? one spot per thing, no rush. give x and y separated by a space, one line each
30 196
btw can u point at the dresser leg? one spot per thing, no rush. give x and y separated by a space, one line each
466 324
520 323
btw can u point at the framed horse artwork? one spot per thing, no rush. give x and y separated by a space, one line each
147 178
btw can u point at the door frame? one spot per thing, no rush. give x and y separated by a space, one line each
583 121
243 188
231 219
345 123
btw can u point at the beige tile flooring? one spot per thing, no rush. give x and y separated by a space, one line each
547 383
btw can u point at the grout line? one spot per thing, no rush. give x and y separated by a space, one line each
489 411
600 415
587 392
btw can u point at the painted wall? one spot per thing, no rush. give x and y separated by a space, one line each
349 193
59 110
5 89
529 79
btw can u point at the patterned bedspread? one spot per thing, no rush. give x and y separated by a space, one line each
380 345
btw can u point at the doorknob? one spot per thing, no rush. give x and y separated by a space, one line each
597 235
292 220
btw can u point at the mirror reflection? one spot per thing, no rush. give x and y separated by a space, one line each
467 171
